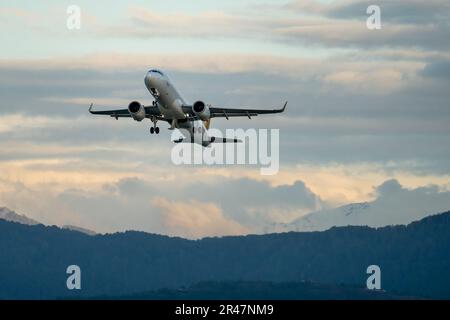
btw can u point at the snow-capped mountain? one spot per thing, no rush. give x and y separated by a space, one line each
378 213
351 214
12 216
393 205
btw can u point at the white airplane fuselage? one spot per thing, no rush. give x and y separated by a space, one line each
169 101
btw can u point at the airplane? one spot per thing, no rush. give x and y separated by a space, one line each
169 106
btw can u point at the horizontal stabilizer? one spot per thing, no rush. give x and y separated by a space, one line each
213 140
225 140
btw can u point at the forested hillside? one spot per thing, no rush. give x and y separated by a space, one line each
414 259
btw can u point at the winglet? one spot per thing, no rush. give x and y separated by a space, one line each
284 107
90 107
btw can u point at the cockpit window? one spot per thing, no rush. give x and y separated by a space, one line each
157 71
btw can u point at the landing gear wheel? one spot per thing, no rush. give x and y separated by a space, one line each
157 130
152 130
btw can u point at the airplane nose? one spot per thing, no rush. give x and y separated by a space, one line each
148 78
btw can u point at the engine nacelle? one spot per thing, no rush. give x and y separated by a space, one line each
201 110
136 110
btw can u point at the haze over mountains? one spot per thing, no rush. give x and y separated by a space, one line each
393 204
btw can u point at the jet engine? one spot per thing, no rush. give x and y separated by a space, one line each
201 110
136 110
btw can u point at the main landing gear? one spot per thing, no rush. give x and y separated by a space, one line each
154 129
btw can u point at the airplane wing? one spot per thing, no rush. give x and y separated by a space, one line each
123 113
217 112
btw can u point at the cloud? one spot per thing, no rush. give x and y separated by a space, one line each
87 101
88 71
406 11
177 207
337 107
25 16
40 203
405 23
364 107
400 11
344 33
438 69
388 187
210 210
18 122
339 24
298 25
115 62
261 203
194 219
150 23
396 204
380 80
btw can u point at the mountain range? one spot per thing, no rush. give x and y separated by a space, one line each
414 260
373 214
9 215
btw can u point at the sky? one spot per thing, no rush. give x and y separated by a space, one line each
367 108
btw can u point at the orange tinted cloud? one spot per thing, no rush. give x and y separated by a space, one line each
194 219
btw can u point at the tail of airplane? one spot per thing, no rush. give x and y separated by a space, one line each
212 139
202 136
